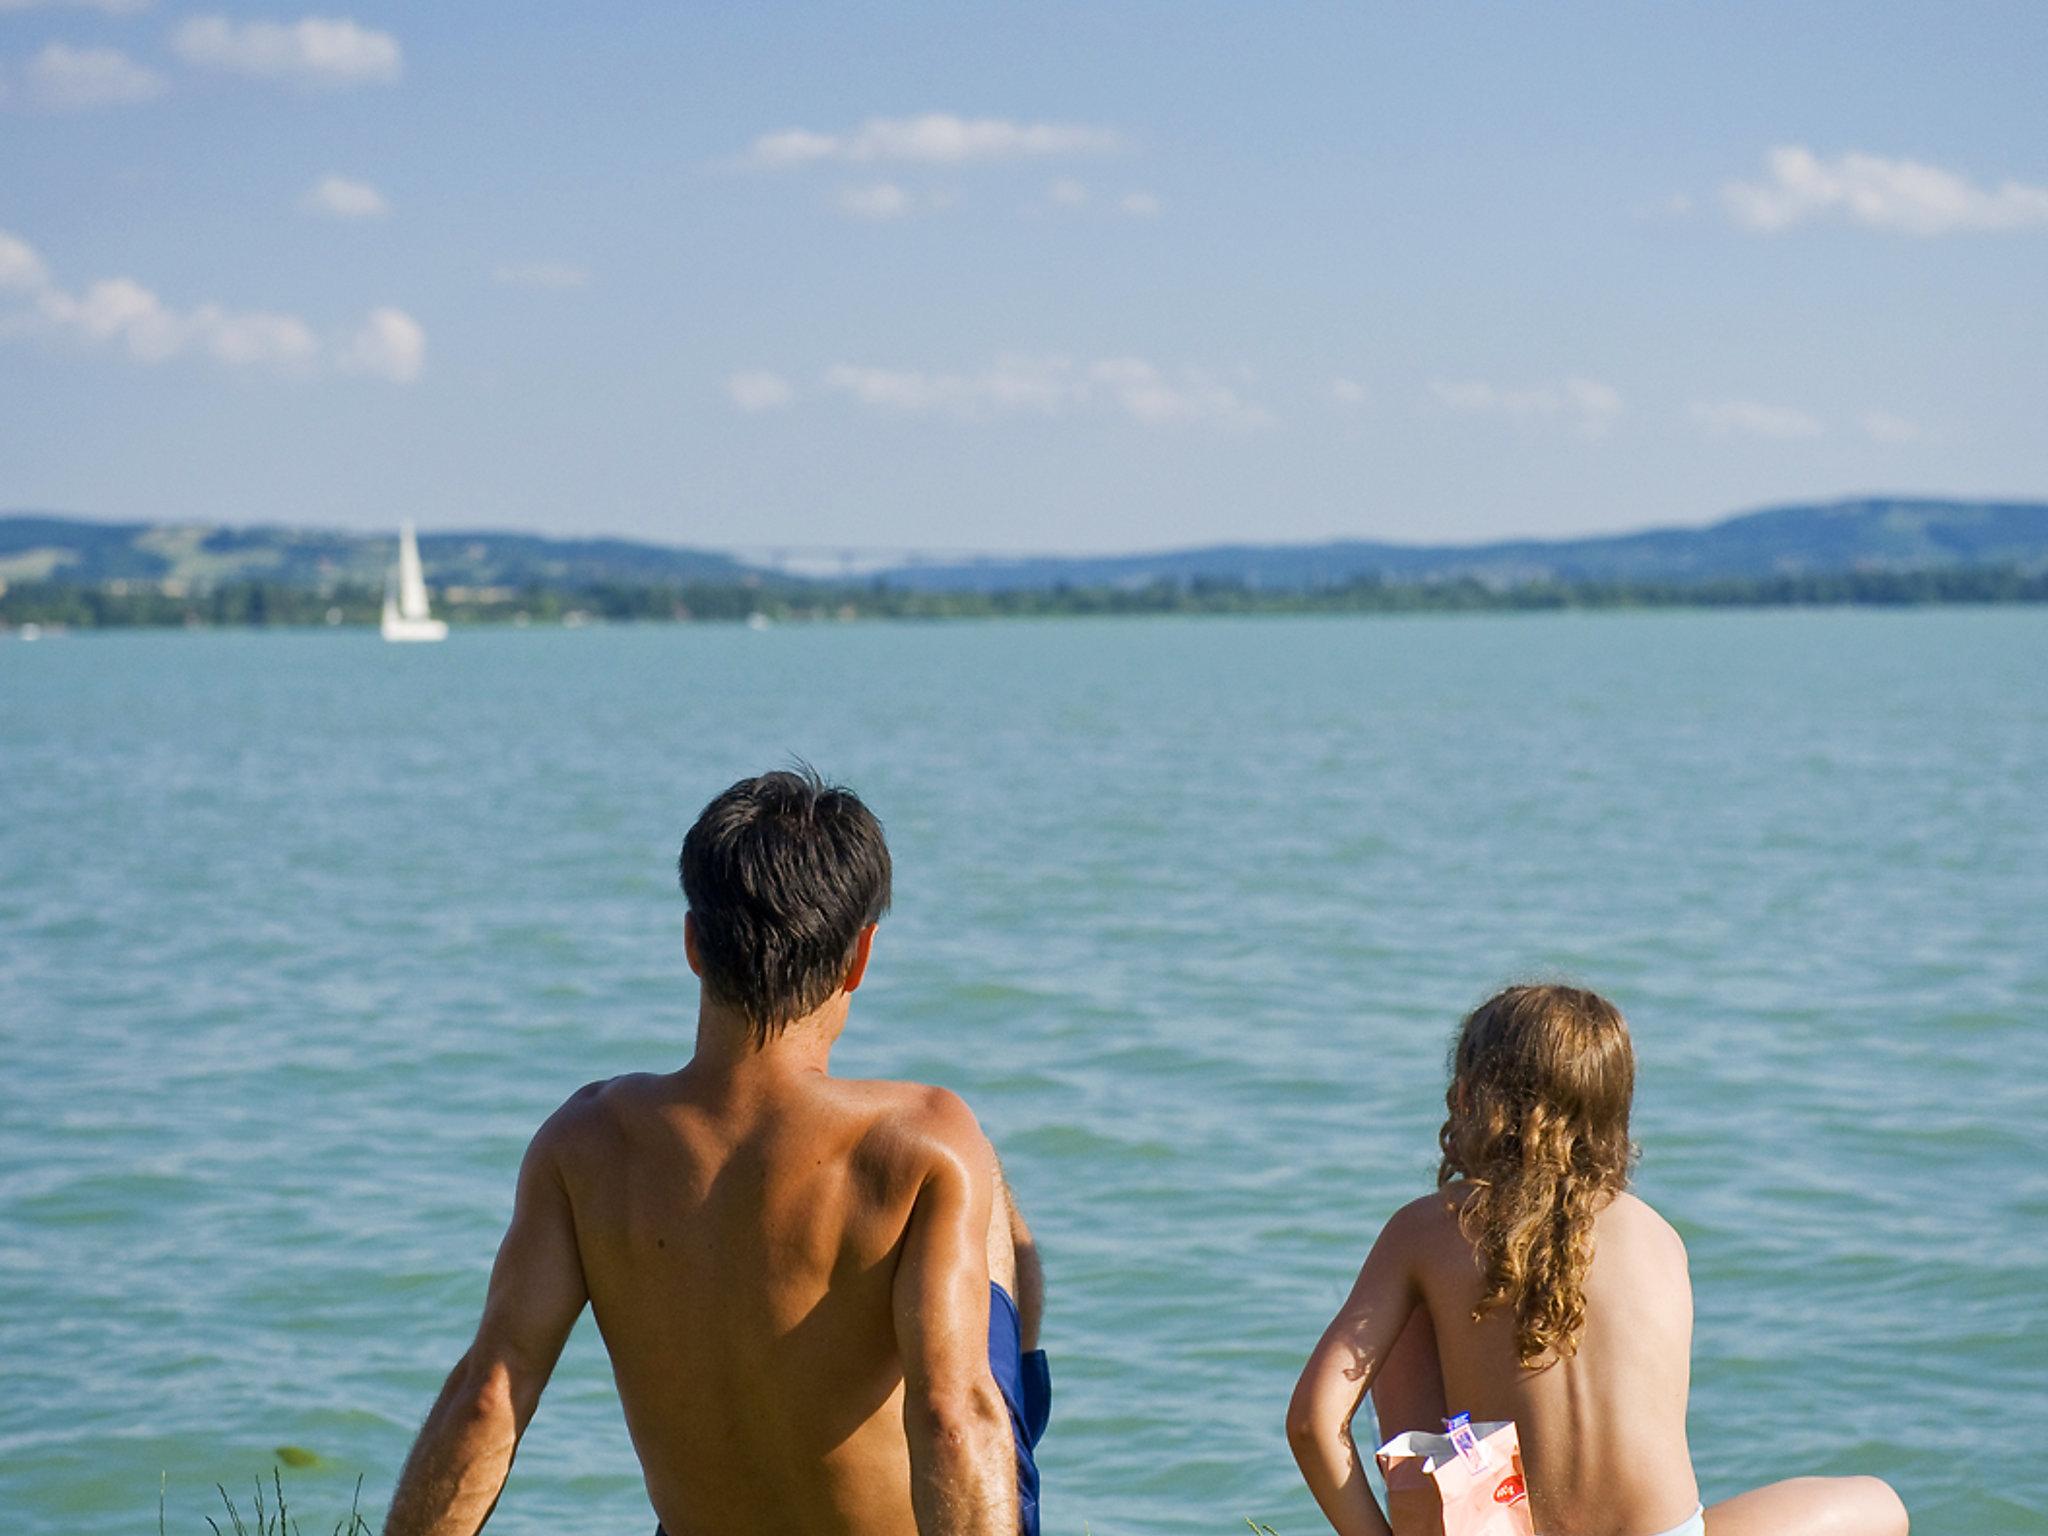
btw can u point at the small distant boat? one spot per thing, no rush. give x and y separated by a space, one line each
406 616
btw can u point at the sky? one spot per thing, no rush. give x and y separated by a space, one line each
1042 277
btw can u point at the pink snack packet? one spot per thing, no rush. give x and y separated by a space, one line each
1436 1489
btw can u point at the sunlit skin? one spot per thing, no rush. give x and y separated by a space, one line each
790 1271
1603 1433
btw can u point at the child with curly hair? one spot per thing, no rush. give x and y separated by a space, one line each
1533 1286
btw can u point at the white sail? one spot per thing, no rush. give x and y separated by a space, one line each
406 616
412 585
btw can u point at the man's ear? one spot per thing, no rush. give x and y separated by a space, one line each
857 971
690 944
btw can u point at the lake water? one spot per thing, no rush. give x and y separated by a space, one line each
301 935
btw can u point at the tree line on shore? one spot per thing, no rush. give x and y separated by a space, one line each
277 604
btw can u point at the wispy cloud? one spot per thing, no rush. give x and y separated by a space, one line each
1348 393
759 389
107 7
1070 195
337 197
314 51
1131 387
1903 195
21 269
540 274
389 344
62 78
121 314
1585 406
874 201
1753 418
935 138
1884 427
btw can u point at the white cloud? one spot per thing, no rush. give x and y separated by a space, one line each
876 201
1051 386
1145 392
109 7
1066 193
1903 195
316 50
1752 418
389 344
336 197
121 314
1586 406
759 389
1348 393
66 79
1141 205
540 274
1884 427
258 340
935 138
20 266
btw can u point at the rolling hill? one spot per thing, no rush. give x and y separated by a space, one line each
1876 534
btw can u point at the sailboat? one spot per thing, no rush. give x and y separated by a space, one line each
405 597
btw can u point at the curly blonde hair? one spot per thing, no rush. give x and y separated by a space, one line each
1537 1126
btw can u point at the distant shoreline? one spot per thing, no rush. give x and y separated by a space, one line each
53 606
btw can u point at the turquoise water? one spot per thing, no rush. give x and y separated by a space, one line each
301 935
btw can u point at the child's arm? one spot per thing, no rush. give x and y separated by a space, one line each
1340 1372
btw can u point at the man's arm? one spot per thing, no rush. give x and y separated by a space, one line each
1340 1372
963 1463
458 1464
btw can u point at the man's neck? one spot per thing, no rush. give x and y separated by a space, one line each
729 1047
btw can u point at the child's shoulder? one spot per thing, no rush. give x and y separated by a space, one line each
1429 1222
1634 1218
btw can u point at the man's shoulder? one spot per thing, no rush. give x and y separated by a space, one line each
594 1108
917 1122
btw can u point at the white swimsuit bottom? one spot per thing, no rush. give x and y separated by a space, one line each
1693 1525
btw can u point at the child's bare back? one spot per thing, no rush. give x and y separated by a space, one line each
1533 1286
1603 1432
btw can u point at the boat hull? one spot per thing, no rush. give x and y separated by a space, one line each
407 631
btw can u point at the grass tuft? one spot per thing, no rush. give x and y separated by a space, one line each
273 1516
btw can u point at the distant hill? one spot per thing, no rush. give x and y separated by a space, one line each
1870 535
80 553
1849 536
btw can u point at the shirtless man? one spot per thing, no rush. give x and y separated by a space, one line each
1533 1286
805 1282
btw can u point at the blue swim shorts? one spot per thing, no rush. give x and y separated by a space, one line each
1025 1380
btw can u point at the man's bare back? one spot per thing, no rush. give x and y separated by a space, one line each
792 1272
741 1233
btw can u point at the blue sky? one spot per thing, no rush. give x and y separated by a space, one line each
1079 277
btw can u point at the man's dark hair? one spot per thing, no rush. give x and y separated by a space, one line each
782 872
